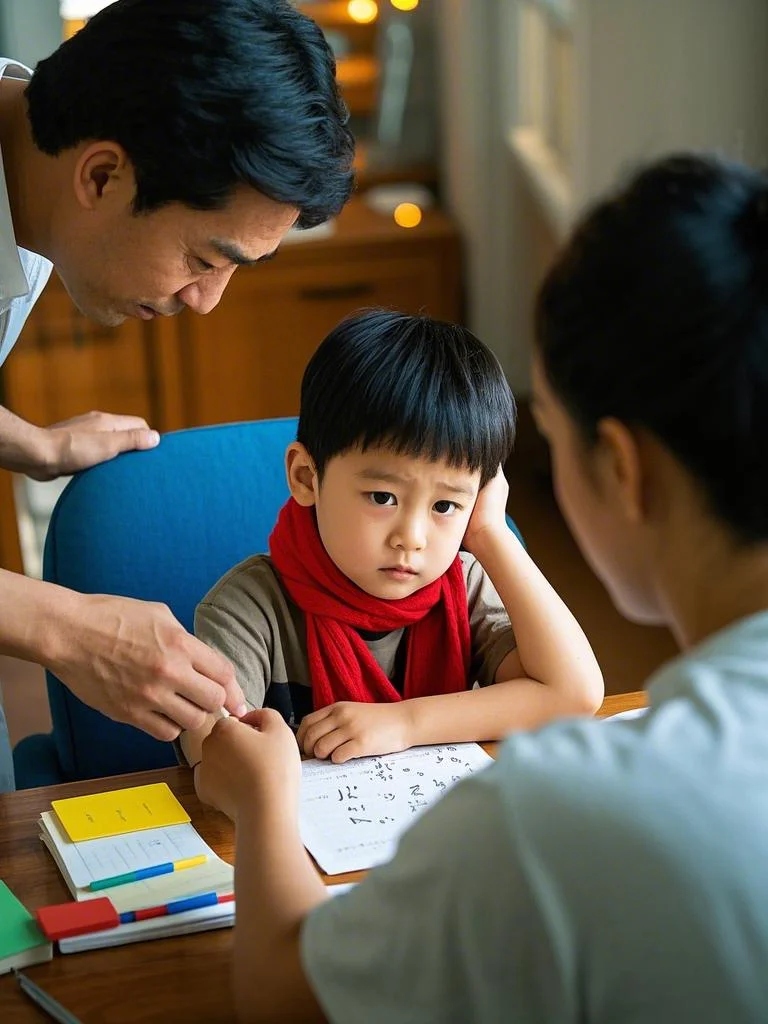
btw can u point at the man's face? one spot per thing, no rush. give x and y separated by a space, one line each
116 264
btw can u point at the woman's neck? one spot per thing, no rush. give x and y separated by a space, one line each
711 582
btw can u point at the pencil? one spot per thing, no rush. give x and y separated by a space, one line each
51 1006
139 873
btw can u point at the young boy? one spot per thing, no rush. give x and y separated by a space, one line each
365 626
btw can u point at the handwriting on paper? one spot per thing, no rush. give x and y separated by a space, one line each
352 815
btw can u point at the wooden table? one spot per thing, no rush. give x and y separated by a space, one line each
183 979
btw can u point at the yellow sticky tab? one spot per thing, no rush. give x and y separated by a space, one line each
119 811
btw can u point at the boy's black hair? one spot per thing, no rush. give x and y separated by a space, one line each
656 313
416 385
203 95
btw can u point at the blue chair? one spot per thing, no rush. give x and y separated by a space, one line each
162 525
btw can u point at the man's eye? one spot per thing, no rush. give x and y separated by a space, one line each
198 265
382 498
445 507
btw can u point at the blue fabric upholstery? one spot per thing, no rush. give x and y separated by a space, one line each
162 525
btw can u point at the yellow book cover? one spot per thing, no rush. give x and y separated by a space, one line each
119 811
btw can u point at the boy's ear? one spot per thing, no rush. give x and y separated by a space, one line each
301 473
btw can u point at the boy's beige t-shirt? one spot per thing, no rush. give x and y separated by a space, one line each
250 619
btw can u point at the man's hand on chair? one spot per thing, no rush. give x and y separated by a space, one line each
87 440
133 661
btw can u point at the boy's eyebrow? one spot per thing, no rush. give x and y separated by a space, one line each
235 255
393 478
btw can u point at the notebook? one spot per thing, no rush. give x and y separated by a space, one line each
21 941
351 816
132 809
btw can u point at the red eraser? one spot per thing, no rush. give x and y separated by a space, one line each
62 920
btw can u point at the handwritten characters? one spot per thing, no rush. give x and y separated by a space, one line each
352 815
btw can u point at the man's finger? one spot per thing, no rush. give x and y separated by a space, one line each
157 725
138 439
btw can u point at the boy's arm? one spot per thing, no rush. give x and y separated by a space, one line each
552 672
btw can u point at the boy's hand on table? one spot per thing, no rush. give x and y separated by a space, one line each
489 513
347 729
247 762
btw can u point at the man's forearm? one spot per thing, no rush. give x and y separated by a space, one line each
33 618
276 886
23 446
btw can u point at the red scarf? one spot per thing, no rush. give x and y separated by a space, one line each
340 664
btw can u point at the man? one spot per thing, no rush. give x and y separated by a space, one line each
163 146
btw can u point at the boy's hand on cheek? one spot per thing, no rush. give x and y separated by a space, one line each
348 729
249 762
489 513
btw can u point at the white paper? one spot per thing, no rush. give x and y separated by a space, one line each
352 815
94 859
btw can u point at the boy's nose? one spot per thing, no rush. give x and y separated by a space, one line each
410 535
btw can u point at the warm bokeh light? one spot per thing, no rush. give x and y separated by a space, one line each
363 11
405 5
407 215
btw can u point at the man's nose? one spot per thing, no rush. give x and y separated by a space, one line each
203 295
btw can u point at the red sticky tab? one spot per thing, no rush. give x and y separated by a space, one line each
62 920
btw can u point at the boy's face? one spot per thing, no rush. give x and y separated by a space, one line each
392 523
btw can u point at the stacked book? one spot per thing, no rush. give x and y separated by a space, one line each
136 867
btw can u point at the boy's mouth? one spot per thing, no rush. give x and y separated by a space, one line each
399 572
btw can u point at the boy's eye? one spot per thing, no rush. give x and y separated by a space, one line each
382 498
445 508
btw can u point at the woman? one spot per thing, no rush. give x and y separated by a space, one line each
598 871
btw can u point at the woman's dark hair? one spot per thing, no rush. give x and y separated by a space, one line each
203 95
656 313
418 386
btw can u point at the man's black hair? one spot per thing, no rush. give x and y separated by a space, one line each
203 95
416 385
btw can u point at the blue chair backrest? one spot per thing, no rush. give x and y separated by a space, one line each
162 525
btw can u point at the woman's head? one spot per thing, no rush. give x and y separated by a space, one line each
652 341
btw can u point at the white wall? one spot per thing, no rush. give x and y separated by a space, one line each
29 29
649 76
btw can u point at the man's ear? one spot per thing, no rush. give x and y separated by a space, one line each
301 473
101 170
622 469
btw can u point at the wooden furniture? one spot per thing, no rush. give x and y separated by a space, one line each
175 979
245 359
